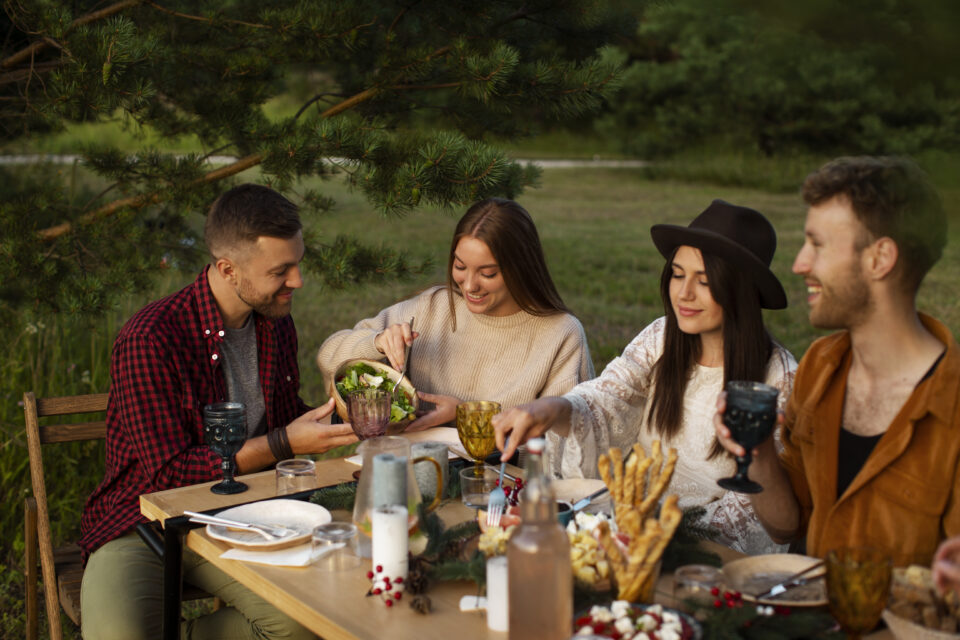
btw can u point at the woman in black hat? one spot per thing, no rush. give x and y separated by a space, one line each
664 386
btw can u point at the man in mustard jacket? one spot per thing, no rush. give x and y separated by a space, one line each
872 428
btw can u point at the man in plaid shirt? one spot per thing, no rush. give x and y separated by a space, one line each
227 336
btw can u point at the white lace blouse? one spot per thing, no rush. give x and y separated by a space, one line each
611 411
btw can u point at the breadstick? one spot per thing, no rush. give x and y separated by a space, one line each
641 487
630 478
670 517
661 483
603 466
616 463
614 557
640 549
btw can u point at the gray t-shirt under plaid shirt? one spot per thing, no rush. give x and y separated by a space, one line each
242 374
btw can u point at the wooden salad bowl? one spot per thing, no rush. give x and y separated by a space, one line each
384 369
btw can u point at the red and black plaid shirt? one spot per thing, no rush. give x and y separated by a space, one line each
165 367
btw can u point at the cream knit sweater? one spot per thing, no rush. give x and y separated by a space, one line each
511 360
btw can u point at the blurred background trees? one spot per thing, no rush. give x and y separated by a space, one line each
824 76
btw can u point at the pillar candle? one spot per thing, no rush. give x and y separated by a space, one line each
498 614
390 543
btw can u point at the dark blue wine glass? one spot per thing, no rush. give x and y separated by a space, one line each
751 415
225 431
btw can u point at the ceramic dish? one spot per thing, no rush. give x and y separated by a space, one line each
755 574
691 628
903 629
294 514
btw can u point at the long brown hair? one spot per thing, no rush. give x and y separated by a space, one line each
747 345
508 231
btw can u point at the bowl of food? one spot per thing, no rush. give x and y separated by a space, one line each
624 619
354 375
916 610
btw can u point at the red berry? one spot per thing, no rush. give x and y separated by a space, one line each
717 604
379 568
389 603
386 580
399 581
369 575
727 595
731 604
738 595
388 587
715 591
397 595
377 591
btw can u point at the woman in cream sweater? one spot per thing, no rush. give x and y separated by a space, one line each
498 330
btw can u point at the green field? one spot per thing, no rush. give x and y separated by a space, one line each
594 225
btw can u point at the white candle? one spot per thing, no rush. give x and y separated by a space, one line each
498 614
390 543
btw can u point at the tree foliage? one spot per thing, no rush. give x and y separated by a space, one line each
831 76
374 70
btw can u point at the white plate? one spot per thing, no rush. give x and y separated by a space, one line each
573 489
294 514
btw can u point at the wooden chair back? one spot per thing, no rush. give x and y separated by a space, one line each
61 567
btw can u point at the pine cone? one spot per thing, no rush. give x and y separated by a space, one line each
421 604
417 581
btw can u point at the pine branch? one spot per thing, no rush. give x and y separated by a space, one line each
341 496
39 45
202 19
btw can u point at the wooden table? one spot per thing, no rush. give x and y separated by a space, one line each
333 605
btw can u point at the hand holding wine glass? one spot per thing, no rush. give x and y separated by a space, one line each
750 416
225 431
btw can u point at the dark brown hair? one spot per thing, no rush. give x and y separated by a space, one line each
508 231
747 345
892 198
246 212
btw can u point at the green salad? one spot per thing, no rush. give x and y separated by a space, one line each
363 376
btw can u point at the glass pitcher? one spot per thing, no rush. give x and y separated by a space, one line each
367 490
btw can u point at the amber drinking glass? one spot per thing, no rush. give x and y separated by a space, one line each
476 431
858 583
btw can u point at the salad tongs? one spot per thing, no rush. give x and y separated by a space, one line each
406 361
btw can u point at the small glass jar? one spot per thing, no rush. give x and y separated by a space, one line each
335 546
696 582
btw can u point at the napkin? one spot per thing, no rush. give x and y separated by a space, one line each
301 555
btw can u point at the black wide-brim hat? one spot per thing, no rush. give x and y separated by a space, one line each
740 235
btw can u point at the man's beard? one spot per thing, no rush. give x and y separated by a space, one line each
266 305
843 306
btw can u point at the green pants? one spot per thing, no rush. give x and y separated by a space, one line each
122 598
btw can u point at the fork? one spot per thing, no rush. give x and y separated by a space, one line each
403 370
268 532
498 499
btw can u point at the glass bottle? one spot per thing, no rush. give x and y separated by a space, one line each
540 579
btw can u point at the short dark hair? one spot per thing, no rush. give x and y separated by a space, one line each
509 232
893 198
246 212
